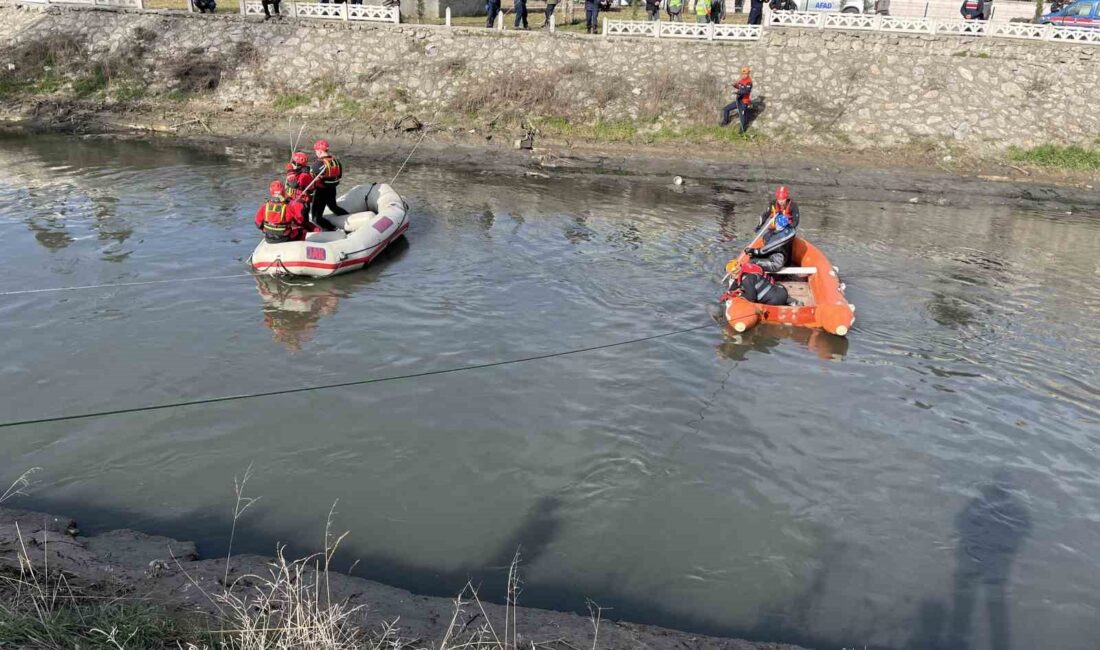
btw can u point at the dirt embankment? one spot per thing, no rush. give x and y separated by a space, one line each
169 576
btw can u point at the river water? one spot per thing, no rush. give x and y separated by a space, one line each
934 480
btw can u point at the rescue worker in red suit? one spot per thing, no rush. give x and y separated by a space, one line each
775 252
281 220
751 283
324 193
973 9
298 178
741 102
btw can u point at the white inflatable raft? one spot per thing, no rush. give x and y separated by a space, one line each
377 215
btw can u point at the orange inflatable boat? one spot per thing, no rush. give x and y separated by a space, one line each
811 280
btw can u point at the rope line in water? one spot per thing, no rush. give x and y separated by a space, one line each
122 284
345 384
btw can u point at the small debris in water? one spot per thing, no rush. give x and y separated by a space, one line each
914 200
679 180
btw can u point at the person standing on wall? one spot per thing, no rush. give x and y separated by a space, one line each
675 9
756 12
702 11
492 8
592 16
742 100
973 9
738 6
520 8
653 9
551 5
273 3
716 10
324 193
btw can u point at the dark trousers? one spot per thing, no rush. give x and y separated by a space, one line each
716 12
742 114
520 7
738 6
273 3
492 8
550 10
756 12
592 19
325 197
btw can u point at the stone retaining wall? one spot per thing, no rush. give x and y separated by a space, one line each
861 89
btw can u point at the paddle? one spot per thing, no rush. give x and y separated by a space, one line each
742 256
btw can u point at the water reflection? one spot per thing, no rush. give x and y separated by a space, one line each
762 338
292 311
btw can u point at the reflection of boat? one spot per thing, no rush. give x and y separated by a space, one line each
761 339
377 216
813 281
292 311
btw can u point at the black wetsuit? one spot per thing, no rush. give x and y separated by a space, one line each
760 289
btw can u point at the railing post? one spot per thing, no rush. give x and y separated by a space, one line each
605 27
190 9
710 31
1049 36
553 22
657 29
448 17
293 9
242 7
500 21
345 11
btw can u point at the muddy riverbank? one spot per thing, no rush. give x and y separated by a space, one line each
938 174
171 579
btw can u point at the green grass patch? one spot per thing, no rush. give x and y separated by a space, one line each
1050 155
292 100
91 627
91 83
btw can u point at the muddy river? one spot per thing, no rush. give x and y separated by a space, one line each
933 480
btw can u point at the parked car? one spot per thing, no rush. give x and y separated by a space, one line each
845 6
1082 13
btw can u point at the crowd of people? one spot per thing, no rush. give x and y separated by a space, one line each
296 204
706 11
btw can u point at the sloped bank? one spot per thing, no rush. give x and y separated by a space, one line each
167 580
860 90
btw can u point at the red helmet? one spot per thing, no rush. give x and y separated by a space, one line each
300 157
320 145
290 167
276 188
782 194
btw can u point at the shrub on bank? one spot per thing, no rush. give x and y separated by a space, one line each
1050 155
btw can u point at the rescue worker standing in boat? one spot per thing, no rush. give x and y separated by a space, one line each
281 220
324 190
775 252
298 178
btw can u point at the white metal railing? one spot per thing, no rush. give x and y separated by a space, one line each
125 4
841 21
328 11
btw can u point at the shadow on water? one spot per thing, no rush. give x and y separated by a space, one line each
763 338
991 529
532 538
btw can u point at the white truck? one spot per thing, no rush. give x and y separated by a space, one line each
845 6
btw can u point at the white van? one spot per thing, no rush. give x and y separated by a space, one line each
846 6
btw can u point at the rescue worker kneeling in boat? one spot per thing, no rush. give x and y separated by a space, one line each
750 282
782 219
281 220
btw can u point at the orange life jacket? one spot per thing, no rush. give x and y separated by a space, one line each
332 171
275 220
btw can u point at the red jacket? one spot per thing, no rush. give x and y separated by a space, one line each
744 90
297 180
289 215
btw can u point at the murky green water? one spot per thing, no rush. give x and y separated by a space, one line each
931 481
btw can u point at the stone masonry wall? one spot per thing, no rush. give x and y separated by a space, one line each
860 89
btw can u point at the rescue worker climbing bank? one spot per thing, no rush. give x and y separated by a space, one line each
281 220
324 190
782 220
741 101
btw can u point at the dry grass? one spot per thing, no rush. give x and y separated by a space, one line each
290 607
